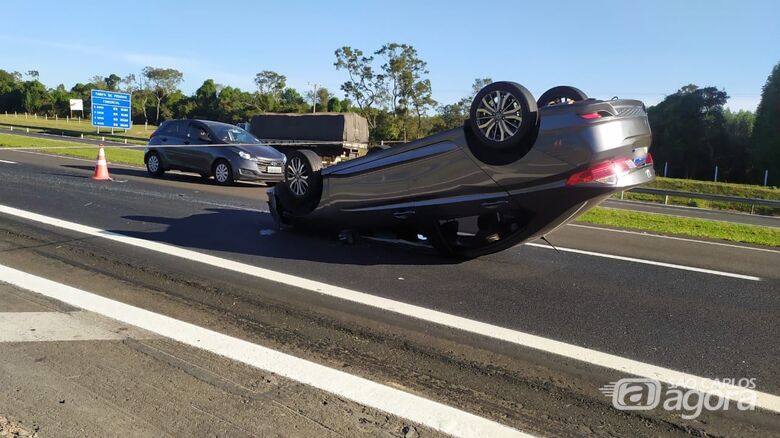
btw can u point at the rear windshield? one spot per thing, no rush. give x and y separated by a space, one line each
233 134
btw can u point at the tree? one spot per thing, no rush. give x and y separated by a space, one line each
33 75
34 96
10 95
688 131
407 87
765 153
739 130
112 81
270 83
292 102
334 105
364 87
453 115
138 86
206 102
163 82
323 96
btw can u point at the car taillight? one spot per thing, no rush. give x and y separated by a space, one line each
590 116
606 172
649 158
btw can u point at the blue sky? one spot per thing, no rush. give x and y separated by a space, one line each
633 49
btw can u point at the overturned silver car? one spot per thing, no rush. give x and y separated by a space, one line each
515 171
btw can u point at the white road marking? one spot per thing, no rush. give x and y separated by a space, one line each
415 408
55 326
683 239
593 357
7 162
647 262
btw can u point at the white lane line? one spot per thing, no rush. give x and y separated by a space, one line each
56 326
366 392
647 262
594 357
683 239
7 162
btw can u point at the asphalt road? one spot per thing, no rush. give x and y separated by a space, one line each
702 323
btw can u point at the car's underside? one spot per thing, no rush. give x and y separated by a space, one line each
515 171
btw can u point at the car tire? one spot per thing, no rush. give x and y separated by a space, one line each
223 172
502 116
154 164
300 193
562 94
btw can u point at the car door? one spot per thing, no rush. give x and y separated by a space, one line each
173 138
168 136
196 156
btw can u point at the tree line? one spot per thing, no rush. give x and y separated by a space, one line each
390 87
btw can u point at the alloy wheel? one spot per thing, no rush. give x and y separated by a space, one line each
297 176
499 115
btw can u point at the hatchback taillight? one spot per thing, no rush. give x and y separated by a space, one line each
606 172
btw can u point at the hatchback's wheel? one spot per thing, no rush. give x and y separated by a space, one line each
503 115
154 164
562 94
223 173
302 186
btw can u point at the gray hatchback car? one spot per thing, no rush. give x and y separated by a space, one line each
226 152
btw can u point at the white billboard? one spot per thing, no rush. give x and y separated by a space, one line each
76 105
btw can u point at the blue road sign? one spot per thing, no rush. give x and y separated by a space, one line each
111 109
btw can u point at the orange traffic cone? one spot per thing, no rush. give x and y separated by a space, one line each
101 169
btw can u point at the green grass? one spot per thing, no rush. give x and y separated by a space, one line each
133 157
719 188
685 226
74 128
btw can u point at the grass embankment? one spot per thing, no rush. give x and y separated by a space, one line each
133 157
685 226
75 128
719 188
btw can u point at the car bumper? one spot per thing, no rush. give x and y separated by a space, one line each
252 171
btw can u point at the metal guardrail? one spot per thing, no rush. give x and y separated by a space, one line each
708 196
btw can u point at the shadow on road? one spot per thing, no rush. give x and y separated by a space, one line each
255 234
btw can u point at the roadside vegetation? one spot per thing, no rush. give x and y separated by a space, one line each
133 157
682 226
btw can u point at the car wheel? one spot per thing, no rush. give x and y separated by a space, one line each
154 164
503 115
223 173
302 186
562 94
